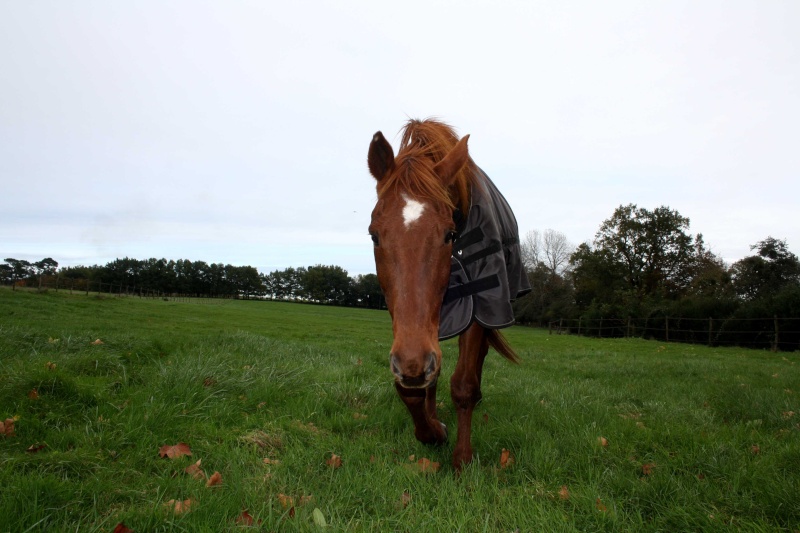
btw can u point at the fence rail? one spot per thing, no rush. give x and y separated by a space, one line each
775 333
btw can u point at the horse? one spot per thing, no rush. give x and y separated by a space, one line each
446 249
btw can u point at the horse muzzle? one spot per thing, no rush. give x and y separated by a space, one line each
413 375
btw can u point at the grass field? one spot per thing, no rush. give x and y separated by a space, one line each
603 435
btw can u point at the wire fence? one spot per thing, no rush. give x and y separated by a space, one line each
774 333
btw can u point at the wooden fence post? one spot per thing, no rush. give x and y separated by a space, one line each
666 328
580 318
710 329
560 326
600 329
628 331
775 341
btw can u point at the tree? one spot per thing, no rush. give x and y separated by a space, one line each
45 267
652 247
550 248
772 269
20 269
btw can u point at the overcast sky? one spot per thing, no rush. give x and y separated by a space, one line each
237 132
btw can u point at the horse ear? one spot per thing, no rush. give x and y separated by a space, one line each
454 161
381 157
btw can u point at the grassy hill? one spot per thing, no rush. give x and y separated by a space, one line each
293 406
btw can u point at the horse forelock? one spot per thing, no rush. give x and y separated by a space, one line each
424 143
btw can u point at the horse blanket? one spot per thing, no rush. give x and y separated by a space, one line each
486 271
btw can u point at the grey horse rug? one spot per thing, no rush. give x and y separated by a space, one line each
486 270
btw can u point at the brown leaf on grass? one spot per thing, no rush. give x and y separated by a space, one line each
34 448
209 382
289 501
268 461
600 506
647 468
195 471
602 441
179 506
122 528
506 458
50 365
7 427
755 449
245 519
485 417
785 414
335 461
405 499
359 362
97 342
359 416
33 394
176 450
563 492
426 465
214 480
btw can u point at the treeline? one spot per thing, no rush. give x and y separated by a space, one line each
315 284
644 267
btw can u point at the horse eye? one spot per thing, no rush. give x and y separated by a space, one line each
450 237
374 238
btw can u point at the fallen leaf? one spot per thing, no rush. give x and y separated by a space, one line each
785 414
485 417
33 448
506 459
245 519
50 366
195 471
426 465
33 394
51 340
755 449
285 501
563 492
97 342
359 362
405 499
122 528
600 506
214 480
268 461
335 461
7 427
359 416
319 518
209 382
602 441
291 512
177 450
178 506
647 468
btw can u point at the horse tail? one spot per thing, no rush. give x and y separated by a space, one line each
500 344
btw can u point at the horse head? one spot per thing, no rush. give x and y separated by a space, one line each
412 229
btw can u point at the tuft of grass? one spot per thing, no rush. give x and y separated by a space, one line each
266 393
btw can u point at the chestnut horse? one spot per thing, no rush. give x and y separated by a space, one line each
424 196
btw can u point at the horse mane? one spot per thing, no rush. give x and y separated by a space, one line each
424 143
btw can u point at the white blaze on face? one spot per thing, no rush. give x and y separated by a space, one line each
412 211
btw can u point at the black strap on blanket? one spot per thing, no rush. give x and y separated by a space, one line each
472 287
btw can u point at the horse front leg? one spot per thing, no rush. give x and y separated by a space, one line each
421 403
465 389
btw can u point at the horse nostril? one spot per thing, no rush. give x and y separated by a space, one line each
430 365
394 364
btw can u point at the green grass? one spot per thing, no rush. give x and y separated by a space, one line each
242 381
